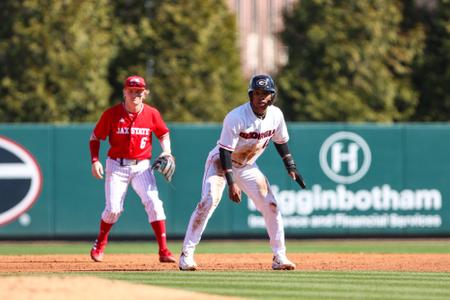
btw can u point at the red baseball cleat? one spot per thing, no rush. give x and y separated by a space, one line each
97 251
165 256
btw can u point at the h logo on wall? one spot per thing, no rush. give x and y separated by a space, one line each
20 180
345 157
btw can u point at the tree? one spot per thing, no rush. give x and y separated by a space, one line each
348 61
196 72
54 60
432 76
133 36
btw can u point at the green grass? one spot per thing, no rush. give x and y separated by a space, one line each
271 284
260 246
301 285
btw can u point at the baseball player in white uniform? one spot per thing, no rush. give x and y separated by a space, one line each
246 132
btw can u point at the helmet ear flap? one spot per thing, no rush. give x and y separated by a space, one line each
272 100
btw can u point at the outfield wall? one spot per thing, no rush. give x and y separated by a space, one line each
363 180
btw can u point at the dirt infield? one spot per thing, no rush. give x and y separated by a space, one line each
209 262
87 288
47 284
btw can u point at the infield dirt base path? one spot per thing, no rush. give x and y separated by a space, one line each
90 288
45 283
223 262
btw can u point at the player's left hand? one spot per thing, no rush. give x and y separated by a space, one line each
294 174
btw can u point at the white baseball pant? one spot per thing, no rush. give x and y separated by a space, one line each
143 182
250 180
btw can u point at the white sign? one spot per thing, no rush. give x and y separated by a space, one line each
345 149
20 180
378 207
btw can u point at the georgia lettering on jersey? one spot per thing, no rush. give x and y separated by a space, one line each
257 135
250 146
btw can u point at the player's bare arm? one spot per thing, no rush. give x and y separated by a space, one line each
289 163
234 192
165 145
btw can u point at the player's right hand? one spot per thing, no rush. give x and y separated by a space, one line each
234 192
97 170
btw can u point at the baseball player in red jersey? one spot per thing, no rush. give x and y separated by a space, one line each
129 127
246 133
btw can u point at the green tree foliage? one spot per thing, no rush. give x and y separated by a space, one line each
349 61
433 72
67 60
54 58
133 37
196 72
187 52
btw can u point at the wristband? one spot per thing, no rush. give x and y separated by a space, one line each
289 163
229 177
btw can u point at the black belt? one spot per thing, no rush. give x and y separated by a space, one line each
127 162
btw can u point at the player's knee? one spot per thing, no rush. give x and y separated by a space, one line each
111 216
154 206
268 207
271 203
205 206
260 206
273 207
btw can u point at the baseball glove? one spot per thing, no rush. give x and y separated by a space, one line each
165 165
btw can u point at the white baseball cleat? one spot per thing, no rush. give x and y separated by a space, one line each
281 262
187 263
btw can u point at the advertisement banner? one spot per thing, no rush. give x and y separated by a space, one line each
362 180
366 179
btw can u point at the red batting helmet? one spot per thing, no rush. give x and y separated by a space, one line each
135 82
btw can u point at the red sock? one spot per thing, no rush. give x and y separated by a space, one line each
105 228
159 227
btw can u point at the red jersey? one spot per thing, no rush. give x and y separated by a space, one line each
130 134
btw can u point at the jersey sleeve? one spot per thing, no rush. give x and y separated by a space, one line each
229 136
101 130
281 135
94 148
160 127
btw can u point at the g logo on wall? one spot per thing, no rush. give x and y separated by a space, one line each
345 157
20 180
